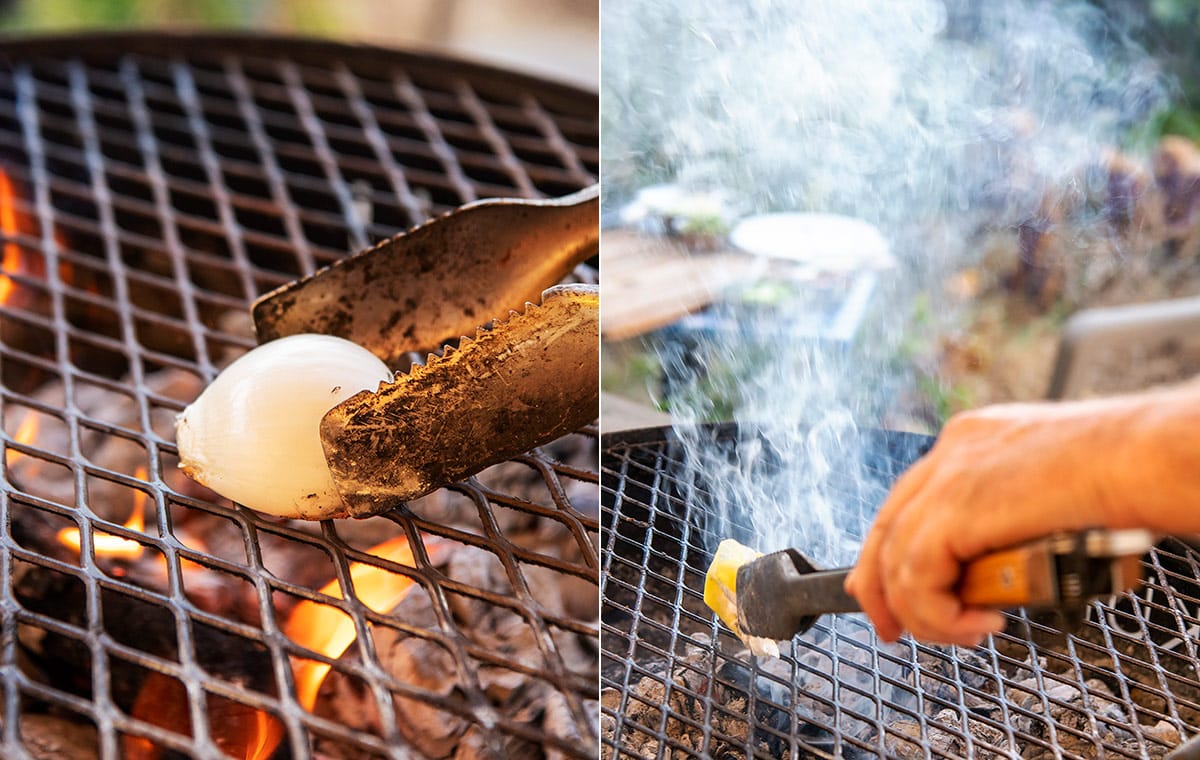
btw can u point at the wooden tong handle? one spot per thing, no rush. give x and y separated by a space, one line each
1022 576
1034 574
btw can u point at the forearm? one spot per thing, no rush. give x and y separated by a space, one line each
1005 474
1156 472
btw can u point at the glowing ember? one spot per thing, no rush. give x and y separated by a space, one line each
107 544
330 631
245 733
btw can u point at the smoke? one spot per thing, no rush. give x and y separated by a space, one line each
929 120
881 109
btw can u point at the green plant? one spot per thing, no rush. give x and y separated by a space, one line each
943 400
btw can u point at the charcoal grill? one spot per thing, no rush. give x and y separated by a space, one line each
159 184
675 684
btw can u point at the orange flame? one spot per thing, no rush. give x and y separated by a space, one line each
268 731
12 260
107 544
330 631
27 430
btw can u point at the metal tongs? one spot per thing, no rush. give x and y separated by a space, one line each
524 373
765 598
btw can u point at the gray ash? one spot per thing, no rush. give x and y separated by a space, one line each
839 690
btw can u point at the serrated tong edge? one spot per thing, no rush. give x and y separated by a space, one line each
529 378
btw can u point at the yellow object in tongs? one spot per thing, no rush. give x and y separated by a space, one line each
720 592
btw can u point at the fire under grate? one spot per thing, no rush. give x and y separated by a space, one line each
153 186
676 685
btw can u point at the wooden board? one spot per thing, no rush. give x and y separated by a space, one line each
649 282
619 413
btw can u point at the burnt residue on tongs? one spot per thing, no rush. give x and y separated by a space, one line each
524 373
442 279
528 380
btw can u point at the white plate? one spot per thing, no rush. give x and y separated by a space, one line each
826 242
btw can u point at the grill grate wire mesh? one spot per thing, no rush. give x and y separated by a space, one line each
676 684
160 184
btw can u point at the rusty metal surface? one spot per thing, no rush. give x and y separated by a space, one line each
676 684
522 383
164 182
441 280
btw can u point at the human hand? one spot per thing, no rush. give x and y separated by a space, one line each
996 477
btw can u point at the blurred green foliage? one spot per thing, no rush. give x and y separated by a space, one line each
304 16
1169 30
943 399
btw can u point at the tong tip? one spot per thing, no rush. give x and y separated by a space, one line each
720 592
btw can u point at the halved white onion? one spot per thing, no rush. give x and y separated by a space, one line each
253 435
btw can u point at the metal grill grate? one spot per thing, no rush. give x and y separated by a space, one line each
676 685
159 184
